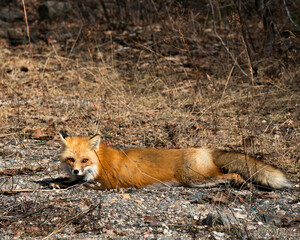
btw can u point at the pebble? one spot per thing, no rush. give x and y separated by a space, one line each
179 211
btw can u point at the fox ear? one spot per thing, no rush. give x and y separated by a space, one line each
63 136
94 142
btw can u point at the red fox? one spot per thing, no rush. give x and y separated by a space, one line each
88 159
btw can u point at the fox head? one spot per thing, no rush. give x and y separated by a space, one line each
79 156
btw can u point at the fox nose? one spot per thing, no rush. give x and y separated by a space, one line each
75 171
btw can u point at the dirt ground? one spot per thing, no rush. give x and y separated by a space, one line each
158 85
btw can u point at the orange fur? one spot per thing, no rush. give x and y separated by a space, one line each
88 159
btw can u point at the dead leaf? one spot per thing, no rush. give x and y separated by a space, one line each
185 193
126 196
268 196
149 219
220 199
216 199
288 222
45 133
15 191
37 134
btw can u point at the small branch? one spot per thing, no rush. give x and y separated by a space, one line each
78 216
243 28
105 13
289 15
16 191
76 40
103 169
31 52
223 43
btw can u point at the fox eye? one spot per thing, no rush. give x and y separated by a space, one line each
71 159
84 160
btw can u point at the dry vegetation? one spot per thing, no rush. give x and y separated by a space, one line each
167 83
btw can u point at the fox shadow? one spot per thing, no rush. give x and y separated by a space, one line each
65 183
58 183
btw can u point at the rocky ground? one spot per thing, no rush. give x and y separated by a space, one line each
37 203
32 209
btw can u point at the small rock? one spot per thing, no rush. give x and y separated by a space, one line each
270 219
224 218
10 14
250 227
281 212
5 25
16 36
196 198
240 215
167 238
153 222
219 235
54 9
3 32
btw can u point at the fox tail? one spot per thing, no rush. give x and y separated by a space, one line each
250 169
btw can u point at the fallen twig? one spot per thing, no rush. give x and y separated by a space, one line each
22 171
78 216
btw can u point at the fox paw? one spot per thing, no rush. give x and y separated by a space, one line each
92 185
54 185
